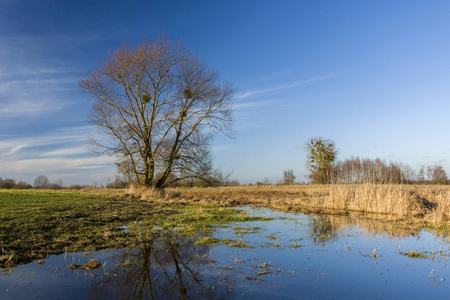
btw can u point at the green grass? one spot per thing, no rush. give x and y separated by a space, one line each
415 254
35 224
214 241
242 231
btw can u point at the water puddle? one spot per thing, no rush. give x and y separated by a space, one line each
292 256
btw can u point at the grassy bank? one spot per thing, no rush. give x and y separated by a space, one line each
35 224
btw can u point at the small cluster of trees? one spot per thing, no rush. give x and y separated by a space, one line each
288 179
321 155
9 183
42 182
434 174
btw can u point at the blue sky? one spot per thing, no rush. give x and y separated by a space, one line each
371 75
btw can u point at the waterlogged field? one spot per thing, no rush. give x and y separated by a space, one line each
35 224
237 253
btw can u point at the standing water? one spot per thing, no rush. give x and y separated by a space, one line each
292 256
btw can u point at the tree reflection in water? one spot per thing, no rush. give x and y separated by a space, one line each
327 228
167 267
322 229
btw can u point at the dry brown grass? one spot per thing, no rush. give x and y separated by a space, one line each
424 203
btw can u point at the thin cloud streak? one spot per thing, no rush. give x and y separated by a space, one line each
67 136
67 152
33 92
30 108
251 105
277 88
52 154
55 165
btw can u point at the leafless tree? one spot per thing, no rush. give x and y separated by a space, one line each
288 177
157 106
439 175
409 173
41 181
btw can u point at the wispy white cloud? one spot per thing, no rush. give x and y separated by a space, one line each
82 150
66 136
281 87
33 91
30 108
54 165
278 102
24 70
62 151
9 87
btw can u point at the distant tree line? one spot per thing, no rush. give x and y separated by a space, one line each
323 168
217 178
40 182
356 170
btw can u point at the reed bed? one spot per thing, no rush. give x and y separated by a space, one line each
425 203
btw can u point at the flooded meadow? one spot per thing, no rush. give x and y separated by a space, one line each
292 255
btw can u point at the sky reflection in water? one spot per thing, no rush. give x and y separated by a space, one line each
294 256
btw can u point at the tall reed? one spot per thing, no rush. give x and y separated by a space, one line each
374 198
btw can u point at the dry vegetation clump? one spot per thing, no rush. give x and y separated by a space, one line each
386 199
143 193
91 265
440 214
147 193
